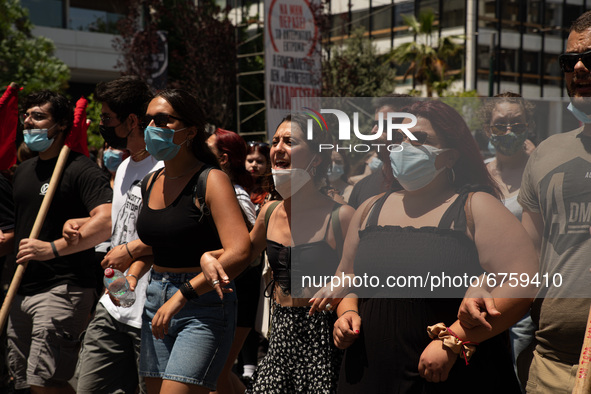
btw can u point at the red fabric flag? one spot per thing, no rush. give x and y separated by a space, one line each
8 124
78 139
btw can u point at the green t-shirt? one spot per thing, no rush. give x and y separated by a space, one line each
557 184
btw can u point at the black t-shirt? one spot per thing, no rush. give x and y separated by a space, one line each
83 187
6 205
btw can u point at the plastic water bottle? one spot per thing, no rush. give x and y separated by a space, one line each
118 287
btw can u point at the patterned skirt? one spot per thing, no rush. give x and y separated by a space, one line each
302 357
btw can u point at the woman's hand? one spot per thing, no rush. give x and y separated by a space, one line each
436 362
161 320
320 303
117 258
214 274
346 329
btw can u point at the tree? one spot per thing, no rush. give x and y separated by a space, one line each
355 69
202 50
25 59
428 59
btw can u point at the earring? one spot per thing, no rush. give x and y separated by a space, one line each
313 171
451 175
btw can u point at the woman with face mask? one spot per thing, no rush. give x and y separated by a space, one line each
438 224
338 177
303 235
509 124
188 322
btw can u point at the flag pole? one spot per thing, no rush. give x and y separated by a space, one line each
47 199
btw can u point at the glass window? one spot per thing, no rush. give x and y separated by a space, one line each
45 12
454 13
531 67
533 19
382 18
487 14
509 69
338 26
483 62
553 16
404 8
553 74
360 18
433 5
93 20
510 15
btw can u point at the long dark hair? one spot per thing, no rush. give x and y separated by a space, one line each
186 105
469 169
234 146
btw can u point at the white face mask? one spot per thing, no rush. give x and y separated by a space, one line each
289 181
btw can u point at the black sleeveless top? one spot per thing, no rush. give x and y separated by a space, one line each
385 358
313 259
178 234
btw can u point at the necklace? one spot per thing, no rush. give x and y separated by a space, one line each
179 176
137 155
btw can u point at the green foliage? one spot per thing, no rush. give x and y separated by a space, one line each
25 59
355 69
467 104
428 58
93 113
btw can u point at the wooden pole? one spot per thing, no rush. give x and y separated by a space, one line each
47 199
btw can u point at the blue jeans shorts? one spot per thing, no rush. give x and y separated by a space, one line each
199 336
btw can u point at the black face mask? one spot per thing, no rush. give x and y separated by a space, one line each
111 138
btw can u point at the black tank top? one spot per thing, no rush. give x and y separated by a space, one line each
313 259
178 234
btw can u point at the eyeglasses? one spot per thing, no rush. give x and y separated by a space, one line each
568 61
502 129
160 120
37 116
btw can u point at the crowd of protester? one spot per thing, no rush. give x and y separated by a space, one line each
204 226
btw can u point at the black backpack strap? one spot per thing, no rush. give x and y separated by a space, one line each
269 211
199 190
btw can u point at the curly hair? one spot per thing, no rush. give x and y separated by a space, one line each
485 112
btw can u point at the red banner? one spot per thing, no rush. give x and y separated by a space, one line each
8 124
78 139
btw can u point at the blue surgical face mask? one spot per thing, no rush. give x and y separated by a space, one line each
36 139
159 142
112 158
375 164
414 166
508 144
580 115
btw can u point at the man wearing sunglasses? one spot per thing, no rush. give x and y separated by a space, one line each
58 289
110 351
556 198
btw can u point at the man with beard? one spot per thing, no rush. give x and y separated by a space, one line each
110 353
57 292
556 198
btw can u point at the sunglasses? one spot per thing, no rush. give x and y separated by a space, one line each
37 116
160 120
502 129
421 138
568 61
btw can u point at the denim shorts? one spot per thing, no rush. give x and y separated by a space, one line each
199 336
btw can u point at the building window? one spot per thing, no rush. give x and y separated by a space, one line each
454 13
48 13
